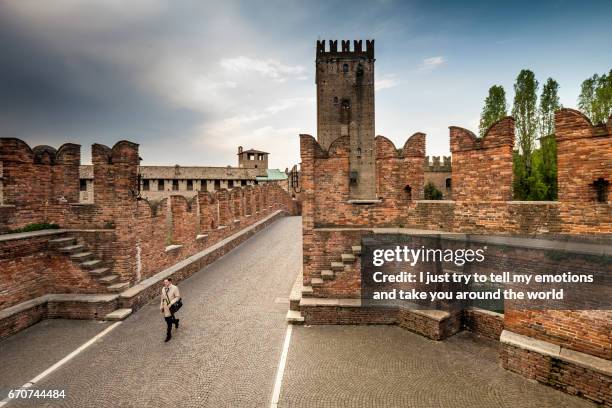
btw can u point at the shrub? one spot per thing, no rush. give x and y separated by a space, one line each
36 227
431 192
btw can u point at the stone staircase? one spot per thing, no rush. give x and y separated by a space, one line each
346 261
87 260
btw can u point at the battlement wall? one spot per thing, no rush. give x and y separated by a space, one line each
345 50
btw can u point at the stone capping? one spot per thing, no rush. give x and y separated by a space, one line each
584 248
32 234
437 315
532 202
61 297
435 201
561 353
201 236
47 232
487 312
160 276
7 206
365 202
318 302
174 247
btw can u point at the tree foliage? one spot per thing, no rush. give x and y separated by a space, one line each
549 104
494 108
525 112
431 192
595 99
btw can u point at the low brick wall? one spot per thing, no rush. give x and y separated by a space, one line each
560 372
483 322
70 306
16 322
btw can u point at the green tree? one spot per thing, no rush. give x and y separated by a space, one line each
595 99
524 110
549 104
431 192
525 115
494 108
587 96
545 164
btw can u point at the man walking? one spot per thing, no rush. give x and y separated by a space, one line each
169 296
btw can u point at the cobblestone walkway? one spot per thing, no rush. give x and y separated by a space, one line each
224 354
386 366
227 349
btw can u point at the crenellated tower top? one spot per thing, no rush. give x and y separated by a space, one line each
345 50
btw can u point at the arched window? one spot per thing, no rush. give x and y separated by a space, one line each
345 68
448 183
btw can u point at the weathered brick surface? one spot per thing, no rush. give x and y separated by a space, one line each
584 154
587 331
568 377
484 323
476 160
29 269
144 296
38 182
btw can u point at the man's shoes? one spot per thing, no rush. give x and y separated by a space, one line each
176 322
168 337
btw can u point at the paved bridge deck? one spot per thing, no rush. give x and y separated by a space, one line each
227 349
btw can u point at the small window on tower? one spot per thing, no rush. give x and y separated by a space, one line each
83 185
359 70
345 68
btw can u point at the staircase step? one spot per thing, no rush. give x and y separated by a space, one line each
327 274
81 256
72 248
108 279
93 264
294 316
99 271
337 266
60 242
316 282
119 287
347 258
307 291
356 249
118 314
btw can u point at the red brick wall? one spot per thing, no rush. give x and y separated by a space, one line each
584 154
570 378
29 269
38 182
482 167
179 221
587 331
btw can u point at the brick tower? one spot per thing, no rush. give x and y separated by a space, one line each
345 107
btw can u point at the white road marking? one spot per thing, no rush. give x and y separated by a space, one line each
63 361
280 372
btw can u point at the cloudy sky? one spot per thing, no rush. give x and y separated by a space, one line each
191 80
